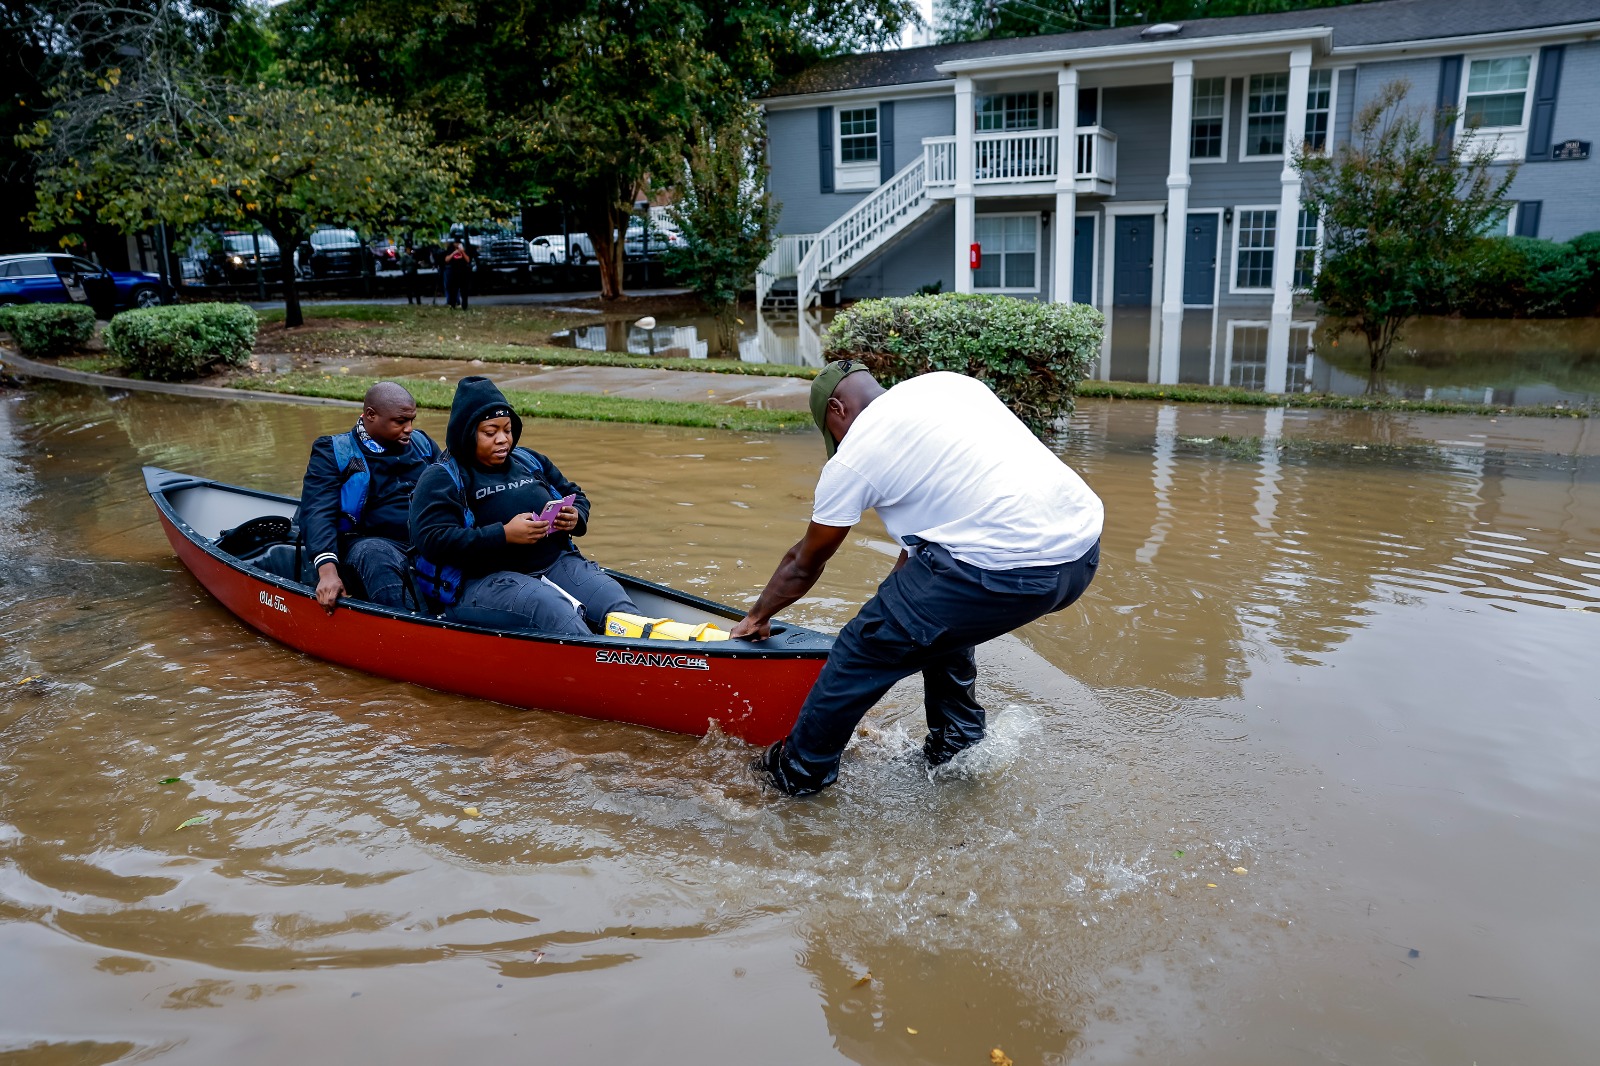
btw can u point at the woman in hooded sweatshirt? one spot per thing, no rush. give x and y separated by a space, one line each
486 524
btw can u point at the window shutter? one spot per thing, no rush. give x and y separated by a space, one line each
886 140
825 146
1528 217
1544 102
1444 132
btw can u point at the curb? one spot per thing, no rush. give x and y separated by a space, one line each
12 363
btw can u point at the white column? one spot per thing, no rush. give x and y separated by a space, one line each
1066 182
1177 220
964 171
1178 185
1294 136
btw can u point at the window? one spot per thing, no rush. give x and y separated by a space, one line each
1497 92
1266 114
1319 108
858 135
1207 125
1010 246
1008 111
1305 248
1254 241
32 267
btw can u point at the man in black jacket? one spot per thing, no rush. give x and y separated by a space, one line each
356 498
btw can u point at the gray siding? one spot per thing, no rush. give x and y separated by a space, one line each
1344 107
795 179
1423 74
1570 189
1233 182
916 119
1141 117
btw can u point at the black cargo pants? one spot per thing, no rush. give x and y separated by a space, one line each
927 616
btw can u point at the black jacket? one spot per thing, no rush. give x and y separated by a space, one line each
394 477
438 508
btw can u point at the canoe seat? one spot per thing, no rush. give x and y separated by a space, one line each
282 560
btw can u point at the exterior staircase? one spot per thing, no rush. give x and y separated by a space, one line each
822 260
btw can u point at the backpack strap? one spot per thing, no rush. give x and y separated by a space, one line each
441 585
355 479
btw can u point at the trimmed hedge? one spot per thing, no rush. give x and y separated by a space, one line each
1527 277
173 343
1031 354
48 329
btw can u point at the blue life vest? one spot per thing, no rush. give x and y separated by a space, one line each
347 456
442 584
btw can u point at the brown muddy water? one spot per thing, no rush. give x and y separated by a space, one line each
1312 775
1504 362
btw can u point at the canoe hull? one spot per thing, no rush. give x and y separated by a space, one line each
675 686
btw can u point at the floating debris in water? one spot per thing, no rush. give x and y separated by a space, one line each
198 819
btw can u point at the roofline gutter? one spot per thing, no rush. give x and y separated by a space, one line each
1143 51
888 91
1445 45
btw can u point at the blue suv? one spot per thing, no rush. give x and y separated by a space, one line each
45 277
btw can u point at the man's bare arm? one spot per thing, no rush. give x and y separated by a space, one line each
802 565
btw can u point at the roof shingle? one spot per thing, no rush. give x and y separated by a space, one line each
1377 22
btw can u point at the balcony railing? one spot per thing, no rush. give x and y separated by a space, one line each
1026 156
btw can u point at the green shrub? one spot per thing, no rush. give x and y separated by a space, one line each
1031 354
1587 246
172 343
1522 277
48 329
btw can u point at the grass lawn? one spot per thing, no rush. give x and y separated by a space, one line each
438 394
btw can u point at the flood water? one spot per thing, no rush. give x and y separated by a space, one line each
1507 363
1311 775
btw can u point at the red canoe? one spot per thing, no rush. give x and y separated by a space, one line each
751 690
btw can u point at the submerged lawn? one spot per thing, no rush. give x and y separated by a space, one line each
438 394
497 333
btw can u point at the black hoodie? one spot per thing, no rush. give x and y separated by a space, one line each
438 509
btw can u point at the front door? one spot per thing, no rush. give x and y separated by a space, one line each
1083 259
1200 260
1133 259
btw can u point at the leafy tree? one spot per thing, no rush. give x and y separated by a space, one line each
284 158
725 217
584 104
1401 213
83 67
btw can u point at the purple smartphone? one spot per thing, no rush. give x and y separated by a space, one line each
553 509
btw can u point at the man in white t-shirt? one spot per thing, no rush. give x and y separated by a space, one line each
995 531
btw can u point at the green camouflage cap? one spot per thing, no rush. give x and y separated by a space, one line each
822 387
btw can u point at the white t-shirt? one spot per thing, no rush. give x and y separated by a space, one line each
941 458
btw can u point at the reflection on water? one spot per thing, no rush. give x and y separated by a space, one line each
1504 363
792 338
1338 653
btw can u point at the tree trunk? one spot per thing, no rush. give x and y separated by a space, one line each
287 243
606 236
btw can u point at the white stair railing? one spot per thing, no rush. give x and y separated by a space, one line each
861 229
782 262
